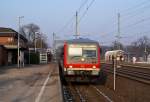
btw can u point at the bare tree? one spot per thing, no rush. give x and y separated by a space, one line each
141 47
32 32
22 31
41 41
117 45
29 31
32 29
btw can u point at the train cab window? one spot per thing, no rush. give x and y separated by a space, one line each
78 52
89 53
75 51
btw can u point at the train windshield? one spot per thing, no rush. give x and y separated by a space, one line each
75 51
82 53
89 52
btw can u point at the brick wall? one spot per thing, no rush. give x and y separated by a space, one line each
12 41
6 40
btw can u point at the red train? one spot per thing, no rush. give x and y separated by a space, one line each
80 60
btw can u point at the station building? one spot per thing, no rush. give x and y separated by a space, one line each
9 46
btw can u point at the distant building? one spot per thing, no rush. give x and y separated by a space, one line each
9 42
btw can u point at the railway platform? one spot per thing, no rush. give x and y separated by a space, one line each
36 83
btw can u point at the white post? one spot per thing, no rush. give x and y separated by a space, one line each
119 31
114 73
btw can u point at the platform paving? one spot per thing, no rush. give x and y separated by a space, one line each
36 83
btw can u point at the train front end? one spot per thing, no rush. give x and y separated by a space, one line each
81 61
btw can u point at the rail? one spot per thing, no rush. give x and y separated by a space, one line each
128 72
136 65
103 94
72 93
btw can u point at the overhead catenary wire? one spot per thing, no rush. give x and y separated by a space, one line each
130 9
66 24
133 14
126 13
136 12
72 17
133 34
78 21
137 22
131 25
127 10
85 12
82 5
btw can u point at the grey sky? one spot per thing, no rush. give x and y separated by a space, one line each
100 22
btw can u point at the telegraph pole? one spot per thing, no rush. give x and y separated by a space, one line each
19 18
145 51
41 42
35 41
77 33
54 41
118 35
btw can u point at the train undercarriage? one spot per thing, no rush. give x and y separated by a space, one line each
81 75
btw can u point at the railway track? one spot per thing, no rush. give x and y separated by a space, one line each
74 93
133 73
137 66
84 93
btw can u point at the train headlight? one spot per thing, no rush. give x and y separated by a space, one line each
94 66
70 66
118 58
82 59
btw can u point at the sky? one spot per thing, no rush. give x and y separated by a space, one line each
100 21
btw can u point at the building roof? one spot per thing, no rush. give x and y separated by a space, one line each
114 53
2 29
5 32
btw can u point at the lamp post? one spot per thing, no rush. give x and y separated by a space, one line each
145 51
19 18
35 40
41 43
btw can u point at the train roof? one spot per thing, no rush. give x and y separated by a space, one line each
114 52
82 40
